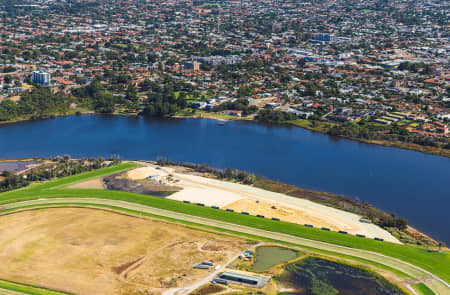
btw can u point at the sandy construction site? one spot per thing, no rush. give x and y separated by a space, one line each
90 251
212 192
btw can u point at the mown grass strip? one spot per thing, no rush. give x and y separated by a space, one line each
422 289
65 181
68 180
28 289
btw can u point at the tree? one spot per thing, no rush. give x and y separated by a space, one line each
245 91
7 79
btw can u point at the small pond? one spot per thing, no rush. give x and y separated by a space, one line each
269 256
314 276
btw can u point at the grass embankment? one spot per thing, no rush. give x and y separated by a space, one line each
15 287
422 289
434 262
65 181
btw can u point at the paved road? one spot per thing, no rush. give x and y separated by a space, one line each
439 286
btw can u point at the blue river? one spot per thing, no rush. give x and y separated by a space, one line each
411 184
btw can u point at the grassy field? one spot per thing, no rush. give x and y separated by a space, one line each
15 287
434 262
422 289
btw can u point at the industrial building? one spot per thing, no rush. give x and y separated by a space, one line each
255 281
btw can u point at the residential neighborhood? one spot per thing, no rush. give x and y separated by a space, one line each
377 68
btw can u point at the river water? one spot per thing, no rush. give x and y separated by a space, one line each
411 184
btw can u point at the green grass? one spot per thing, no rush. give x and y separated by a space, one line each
434 262
12 286
318 126
65 181
209 5
422 289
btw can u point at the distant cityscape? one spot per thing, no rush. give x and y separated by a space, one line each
378 69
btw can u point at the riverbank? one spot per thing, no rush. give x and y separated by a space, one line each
51 116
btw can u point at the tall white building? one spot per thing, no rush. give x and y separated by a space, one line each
41 77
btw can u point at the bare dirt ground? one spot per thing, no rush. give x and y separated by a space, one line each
93 183
269 210
146 185
212 192
87 251
142 172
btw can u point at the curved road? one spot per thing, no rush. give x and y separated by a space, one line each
439 286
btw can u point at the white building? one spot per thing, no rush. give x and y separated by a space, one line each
41 77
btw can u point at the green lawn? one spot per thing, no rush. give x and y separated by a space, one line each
7 285
434 262
422 289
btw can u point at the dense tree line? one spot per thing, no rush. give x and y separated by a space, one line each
393 221
164 102
12 181
273 116
39 103
9 69
97 97
396 133
14 8
415 67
